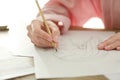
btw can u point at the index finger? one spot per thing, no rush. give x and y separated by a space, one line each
37 30
107 42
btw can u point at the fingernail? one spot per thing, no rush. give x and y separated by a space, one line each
118 48
101 46
108 48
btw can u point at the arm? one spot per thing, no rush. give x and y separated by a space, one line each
57 12
111 15
54 12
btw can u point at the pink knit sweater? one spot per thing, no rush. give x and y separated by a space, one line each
77 12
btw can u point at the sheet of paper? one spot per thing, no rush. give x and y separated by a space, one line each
25 51
11 66
77 56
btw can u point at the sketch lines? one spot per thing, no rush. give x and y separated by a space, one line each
80 46
76 49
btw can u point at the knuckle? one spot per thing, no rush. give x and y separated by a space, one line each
36 30
35 21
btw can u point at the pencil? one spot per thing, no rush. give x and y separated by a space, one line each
45 23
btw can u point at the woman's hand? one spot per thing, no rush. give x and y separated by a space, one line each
38 34
111 43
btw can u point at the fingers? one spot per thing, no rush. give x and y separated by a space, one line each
102 45
55 31
38 31
39 36
111 43
38 41
118 48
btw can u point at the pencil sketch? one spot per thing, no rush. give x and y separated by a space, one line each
75 49
77 56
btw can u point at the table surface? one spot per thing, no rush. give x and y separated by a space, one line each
16 38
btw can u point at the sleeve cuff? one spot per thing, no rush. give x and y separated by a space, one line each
62 20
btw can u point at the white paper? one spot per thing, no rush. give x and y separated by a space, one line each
11 66
77 56
25 51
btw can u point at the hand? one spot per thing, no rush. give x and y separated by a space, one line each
38 34
111 43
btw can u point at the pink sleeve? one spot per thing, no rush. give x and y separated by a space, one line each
56 11
111 13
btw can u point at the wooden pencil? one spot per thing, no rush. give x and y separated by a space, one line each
45 23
